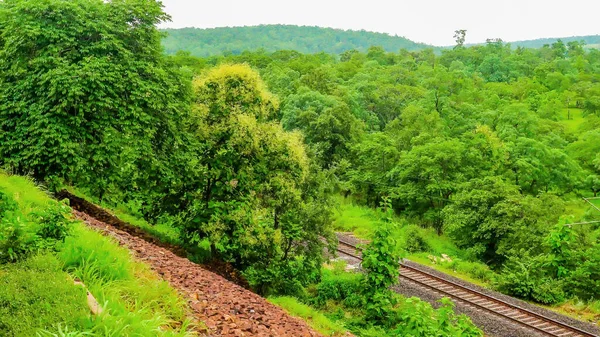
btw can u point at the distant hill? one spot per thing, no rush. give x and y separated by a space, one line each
591 41
215 41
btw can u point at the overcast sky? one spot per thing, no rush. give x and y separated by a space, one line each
429 21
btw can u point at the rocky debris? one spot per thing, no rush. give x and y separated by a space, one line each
438 260
100 214
93 304
225 308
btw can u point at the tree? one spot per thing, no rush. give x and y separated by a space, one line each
257 205
491 218
459 37
381 261
569 97
591 100
86 96
328 125
374 158
427 175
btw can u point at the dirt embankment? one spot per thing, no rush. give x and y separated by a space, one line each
227 309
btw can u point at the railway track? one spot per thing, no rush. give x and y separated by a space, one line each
521 316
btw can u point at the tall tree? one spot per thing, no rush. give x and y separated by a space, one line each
86 96
258 203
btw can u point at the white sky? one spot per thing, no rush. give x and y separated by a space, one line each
429 21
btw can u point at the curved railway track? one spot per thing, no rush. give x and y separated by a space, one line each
524 317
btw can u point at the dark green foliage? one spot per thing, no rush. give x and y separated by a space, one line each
490 217
327 123
304 39
86 97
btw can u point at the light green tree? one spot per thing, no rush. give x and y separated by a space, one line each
257 204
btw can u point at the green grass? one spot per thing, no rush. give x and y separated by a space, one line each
39 293
35 294
362 221
572 125
314 318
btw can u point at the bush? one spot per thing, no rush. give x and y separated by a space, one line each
415 242
343 287
16 239
517 279
55 222
7 204
524 277
440 322
21 236
548 291
477 270
584 281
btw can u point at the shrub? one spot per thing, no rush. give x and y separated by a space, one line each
21 235
548 291
418 318
55 222
16 239
477 270
344 287
524 277
7 204
584 281
414 241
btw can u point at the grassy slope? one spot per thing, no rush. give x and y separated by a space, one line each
572 125
167 233
363 221
40 293
313 317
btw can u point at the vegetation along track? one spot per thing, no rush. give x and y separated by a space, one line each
531 320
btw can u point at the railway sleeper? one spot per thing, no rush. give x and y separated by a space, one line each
556 330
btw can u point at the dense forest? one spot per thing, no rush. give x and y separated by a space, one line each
246 154
304 39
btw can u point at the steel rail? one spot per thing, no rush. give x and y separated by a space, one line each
516 310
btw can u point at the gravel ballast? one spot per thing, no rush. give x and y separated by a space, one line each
492 325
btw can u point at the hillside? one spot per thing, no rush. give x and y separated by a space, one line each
591 41
214 41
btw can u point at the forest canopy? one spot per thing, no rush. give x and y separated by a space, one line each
304 39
